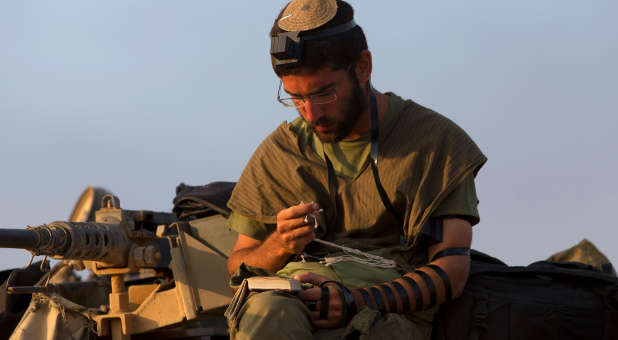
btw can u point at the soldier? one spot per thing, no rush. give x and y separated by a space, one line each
367 196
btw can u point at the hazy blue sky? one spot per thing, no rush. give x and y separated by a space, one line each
138 96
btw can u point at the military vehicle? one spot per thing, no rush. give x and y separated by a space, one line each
153 276
162 275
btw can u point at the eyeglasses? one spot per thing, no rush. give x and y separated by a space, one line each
325 97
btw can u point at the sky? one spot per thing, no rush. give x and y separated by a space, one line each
139 96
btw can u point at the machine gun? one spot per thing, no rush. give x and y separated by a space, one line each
182 283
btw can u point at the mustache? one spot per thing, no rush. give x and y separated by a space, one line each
320 122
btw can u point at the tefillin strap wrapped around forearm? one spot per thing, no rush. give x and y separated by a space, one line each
377 297
416 290
430 286
366 297
448 292
445 280
403 295
391 297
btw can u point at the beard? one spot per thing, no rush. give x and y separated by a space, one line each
351 108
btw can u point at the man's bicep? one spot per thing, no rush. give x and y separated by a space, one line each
453 257
456 233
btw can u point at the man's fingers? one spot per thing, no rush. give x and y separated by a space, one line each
297 211
293 230
333 321
292 224
297 234
312 278
332 315
294 241
326 323
311 294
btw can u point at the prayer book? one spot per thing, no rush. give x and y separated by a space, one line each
262 283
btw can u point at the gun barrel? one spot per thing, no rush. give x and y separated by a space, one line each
71 240
18 238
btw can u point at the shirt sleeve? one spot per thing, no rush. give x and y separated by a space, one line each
461 203
249 227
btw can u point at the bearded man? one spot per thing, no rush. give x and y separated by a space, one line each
366 196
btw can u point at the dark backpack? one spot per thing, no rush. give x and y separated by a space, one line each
545 300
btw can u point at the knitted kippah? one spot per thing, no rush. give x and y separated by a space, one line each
304 15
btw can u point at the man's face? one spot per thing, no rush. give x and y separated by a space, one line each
333 121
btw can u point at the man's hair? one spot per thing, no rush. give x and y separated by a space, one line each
337 51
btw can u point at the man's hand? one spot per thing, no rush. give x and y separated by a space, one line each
313 297
292 235
294 232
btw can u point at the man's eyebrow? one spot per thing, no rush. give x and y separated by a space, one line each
320 89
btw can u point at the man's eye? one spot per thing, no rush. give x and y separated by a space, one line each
323 94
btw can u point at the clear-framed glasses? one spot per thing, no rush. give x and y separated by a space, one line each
321 98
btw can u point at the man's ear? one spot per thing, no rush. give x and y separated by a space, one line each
363 67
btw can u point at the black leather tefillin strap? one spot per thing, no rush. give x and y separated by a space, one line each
390 297
332 186
324 302
445 279
377 297
451 252
375 134
403 295
461 251
418 296
366 297
349 306
430 286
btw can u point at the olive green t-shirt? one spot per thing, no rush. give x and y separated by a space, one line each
349 158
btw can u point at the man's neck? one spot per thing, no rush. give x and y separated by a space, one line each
363 125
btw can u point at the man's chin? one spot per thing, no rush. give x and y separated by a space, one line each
327 137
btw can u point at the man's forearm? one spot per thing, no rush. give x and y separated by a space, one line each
418 290
266 255
442 279
291 235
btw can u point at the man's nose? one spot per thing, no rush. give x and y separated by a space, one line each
312 111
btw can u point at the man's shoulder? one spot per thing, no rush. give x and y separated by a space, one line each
282 147
283 135
427 124
407 113
421 131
